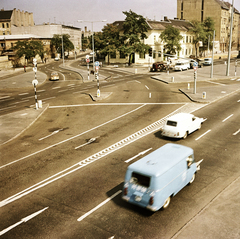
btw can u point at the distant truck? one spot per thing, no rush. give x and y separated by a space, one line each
151 181
158 66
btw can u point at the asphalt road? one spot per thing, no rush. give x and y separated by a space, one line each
66 172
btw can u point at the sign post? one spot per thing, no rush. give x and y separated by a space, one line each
97 68
88 60
195 66
35 81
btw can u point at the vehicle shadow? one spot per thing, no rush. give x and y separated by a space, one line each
158 135
123 204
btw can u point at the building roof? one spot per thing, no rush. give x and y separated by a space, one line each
226 5
182 25
5 15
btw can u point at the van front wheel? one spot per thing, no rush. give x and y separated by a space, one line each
166 203
193 178
185 135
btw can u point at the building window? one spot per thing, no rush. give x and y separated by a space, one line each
181 15
122 55
182 6
142 54
159 54
7 25
3 25
186 39
154 53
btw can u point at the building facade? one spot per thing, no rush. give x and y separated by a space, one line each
220 12
157 45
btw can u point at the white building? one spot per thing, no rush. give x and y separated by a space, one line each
157 45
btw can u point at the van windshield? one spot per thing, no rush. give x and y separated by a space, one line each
140 179
172 123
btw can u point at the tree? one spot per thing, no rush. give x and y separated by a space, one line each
29 49
208 26
111 40
171 36
57 40
199 34
134 32
202 32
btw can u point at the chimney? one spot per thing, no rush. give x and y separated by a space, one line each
85 28
165 19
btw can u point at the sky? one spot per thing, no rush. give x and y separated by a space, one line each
68 12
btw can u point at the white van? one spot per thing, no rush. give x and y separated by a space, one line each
179 66
181 125
151 181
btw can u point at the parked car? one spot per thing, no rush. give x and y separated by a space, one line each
158 66
54 76
181 125
207 61
179 66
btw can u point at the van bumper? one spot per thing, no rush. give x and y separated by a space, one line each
151 208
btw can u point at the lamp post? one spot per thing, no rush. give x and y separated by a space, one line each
62 47
92 37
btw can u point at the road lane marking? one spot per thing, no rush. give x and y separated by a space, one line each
54 132
25 219
236 132
98 206
203 135
8 107
147 87
215 83
141 153
57 87
41 91
24 94
4 97
66 140
227 118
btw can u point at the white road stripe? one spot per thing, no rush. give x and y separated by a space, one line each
202 135
236 132
98 206
227 118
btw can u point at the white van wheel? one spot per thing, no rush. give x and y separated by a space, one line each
193 178
185 135
166 203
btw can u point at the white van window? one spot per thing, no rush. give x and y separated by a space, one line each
140 179
172 123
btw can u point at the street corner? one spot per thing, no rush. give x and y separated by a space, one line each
200 97
100 96
14 124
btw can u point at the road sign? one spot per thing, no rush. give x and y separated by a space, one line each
35 82
97 68
87 56
87 60
96 63
195 68
35 69
195 63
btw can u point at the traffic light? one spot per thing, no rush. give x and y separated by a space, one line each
150 52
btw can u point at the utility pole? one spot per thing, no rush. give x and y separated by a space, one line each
230 42
211 76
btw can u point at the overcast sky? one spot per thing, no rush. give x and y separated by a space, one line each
69 11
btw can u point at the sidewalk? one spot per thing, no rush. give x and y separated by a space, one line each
209 222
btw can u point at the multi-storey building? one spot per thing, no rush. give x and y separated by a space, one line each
219 11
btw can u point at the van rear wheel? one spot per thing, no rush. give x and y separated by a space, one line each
166 203
185 135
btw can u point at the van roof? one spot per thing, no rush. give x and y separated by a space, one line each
161 160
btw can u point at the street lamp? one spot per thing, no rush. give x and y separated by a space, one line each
92 37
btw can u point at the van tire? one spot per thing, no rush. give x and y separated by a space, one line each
192 179
166 203
185 135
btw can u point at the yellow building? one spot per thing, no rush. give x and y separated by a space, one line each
220 12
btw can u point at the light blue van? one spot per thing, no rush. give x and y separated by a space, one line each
151 181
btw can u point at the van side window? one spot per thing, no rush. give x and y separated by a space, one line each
140 179
189 161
